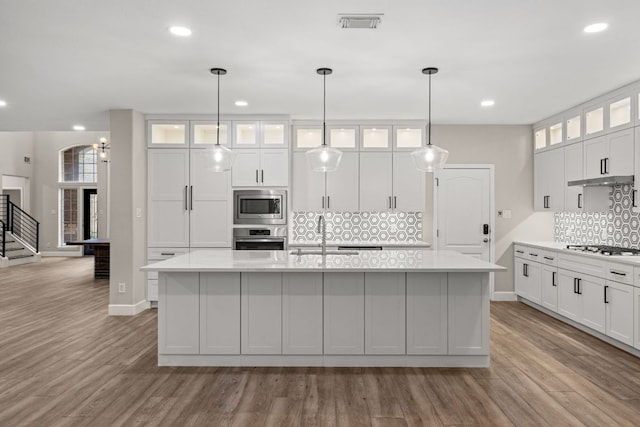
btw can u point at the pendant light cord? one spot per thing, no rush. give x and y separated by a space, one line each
324 109
218 125
429 122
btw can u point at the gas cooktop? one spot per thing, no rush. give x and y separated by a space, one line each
605 250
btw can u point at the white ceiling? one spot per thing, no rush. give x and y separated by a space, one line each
64 62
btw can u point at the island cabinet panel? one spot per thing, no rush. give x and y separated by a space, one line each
426 313
261 313
384 308
178 313
468 314
220 313
343 313
302 313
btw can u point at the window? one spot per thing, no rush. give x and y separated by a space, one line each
69 211
79 164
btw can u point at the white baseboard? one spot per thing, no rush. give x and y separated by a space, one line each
504 296
61 253
128 309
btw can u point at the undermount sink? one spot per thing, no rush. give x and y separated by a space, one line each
319 252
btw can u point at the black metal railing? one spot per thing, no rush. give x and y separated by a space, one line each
19 223
24 226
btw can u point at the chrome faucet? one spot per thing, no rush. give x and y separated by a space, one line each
322 228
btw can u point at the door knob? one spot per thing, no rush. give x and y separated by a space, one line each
485 240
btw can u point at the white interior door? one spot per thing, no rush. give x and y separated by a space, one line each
464 206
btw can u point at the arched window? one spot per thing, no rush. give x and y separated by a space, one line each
78 178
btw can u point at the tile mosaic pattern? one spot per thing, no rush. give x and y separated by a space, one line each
359 226
620 226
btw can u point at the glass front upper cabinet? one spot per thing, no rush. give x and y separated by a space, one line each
206 133
555 133
162 133
408 138
573 128
620 112
343 137
540 138
274 134
375 137
245 134
594 121
307 137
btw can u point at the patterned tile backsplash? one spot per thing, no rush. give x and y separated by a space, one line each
620 226
359 226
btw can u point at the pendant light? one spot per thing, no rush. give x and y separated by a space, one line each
431 157
221 156
324 158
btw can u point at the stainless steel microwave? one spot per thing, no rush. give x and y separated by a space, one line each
260 207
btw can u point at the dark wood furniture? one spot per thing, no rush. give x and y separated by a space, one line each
101 255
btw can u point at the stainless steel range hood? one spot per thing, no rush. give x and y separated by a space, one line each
602 181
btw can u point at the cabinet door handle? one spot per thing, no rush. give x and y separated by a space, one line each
525 267
186 198
256 175
606 165
580 200
328 202
605 295
532 254
554 278
262 175
547 201
389 202
579 285
601 166
395 202
191 198
575 285
167 253
550 258
634 193
322 202
617 273
520 252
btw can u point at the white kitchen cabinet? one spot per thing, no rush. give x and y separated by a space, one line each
168 198
520 277
409 137
167 133
302 313
618 301
261 313
306 137
342 184
468 313
573 126
549 287
540 137
209 198
384 308
591 292
204 133
257 168
343 137
528 276
308 186
260 134
375 138
569 302
179 307
408 184
343 313
549 181
426 313
611 154
636 310
556 132
376 181
390 181
578 198
593 120
220 313
619 114
636 184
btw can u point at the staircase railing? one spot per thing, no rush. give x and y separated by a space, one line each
24 226
4 221
3 248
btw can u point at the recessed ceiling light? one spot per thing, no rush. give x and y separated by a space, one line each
241 103
3 103
78 127
596 28
488 103
180 31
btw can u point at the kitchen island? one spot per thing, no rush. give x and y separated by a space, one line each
275 308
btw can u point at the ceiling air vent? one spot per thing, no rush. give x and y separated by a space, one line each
370 21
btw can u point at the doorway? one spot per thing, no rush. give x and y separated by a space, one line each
89 217
464 198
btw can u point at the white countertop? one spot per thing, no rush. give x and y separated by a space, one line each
562 248
352 243
419 260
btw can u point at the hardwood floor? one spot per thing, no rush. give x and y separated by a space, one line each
64 362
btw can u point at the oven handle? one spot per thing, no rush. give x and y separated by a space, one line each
277 240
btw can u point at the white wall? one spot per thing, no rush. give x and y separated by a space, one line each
45 184
510 149
14 147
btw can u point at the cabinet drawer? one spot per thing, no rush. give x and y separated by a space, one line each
536 255
621 273
583 264
158 254
520 251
